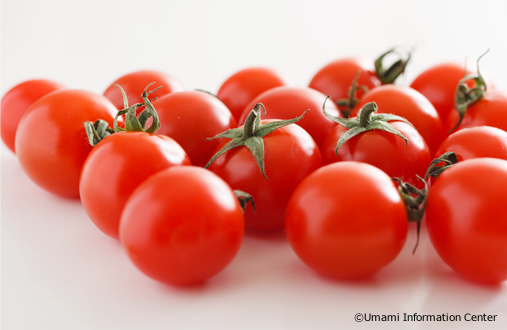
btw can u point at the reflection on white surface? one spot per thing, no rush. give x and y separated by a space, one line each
63 271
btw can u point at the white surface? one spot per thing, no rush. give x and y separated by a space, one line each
60 272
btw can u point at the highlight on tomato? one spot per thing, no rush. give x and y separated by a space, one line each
242 87
121 160
133 83
346 80
346 220
267 159
182 225
466 218
51 142
386 141
410 104
289 102
190 117
15 103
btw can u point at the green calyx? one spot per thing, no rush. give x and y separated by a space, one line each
99 130
436 167
134 123
243 199
415 199
466 96
347 105
365 121
415 202
389 75
251 135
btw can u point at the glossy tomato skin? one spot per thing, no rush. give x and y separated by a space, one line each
489 111
182 225
383 150
15 103
290 156
116 166
134 84
411 105
243 86
290 102
51 141
438 84
346 220
190 117
475 142
467 219
336 77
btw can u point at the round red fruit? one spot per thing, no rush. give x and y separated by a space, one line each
346 220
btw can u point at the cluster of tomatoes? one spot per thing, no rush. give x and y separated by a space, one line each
170 172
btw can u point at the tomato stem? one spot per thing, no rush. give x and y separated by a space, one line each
389 75
251 134
134 123
466 96
97 131
415 202
253 120
243 199
365 121
449 159
347 105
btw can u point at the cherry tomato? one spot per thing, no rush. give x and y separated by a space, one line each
51 141
410 104
135 82
182 225
467 219
290 102
335 78
190 117
438 84
475 142
116 166
489 111
15 103
243 86
290 154
384 150
346 220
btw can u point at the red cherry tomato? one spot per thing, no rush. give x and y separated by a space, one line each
290 102
134 84
182 225
116 166
290 154
243 86
346 220
489 111
475 142
51 141
467 219
383 150
438 84
410 104
15 103
336 77
190 117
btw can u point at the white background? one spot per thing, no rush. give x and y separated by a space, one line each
60 272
